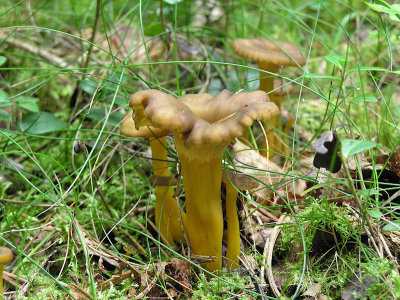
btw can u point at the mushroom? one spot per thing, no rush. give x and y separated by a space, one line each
6 257
270 56
166 208
233 183
201 135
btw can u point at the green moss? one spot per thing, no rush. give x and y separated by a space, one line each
215 288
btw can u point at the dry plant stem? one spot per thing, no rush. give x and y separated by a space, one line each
233 248
267 85
34 50
166 210
269 244
202 175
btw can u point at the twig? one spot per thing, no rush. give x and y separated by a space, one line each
34 50
268 250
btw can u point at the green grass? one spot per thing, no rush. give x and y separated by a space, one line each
50 61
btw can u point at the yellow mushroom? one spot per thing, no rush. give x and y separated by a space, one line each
201 134
6 257
166 209
270 57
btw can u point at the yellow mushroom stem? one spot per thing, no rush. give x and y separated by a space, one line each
201 168
166 210
267 85
1 280
232 220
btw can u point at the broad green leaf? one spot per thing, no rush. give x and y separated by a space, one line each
99 114
375 213
337 60
381 9
88 86
366 97
351 147
5 115
3 59
393 226
3 97
33 107
368 193
41 122
28 103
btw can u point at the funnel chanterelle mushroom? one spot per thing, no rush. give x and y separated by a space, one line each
202 133
6 257
166 208
269 57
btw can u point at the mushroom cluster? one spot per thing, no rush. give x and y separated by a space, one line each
202 126
270 57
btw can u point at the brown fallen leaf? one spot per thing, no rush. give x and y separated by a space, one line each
268 173
181 272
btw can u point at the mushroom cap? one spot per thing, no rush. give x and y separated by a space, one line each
217 121
128 128
264 51
6 255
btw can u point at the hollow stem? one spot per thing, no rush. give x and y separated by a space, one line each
166 210
202 175
1 280
267 85
233 247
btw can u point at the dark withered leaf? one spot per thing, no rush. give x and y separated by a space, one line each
327 156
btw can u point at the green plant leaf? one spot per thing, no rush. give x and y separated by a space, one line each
5 115
3 59
351 147
381 9
3 97
367 68
375 213
337 60
89 86
41 122
28 103
320 76
99 114
394 226
366 97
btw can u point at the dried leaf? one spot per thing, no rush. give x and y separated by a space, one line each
313 291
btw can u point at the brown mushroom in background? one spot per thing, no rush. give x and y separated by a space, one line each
270 57
201 137
166 209
6 256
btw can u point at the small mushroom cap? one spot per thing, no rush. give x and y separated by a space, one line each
218 121
128 128
6 255
264 51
